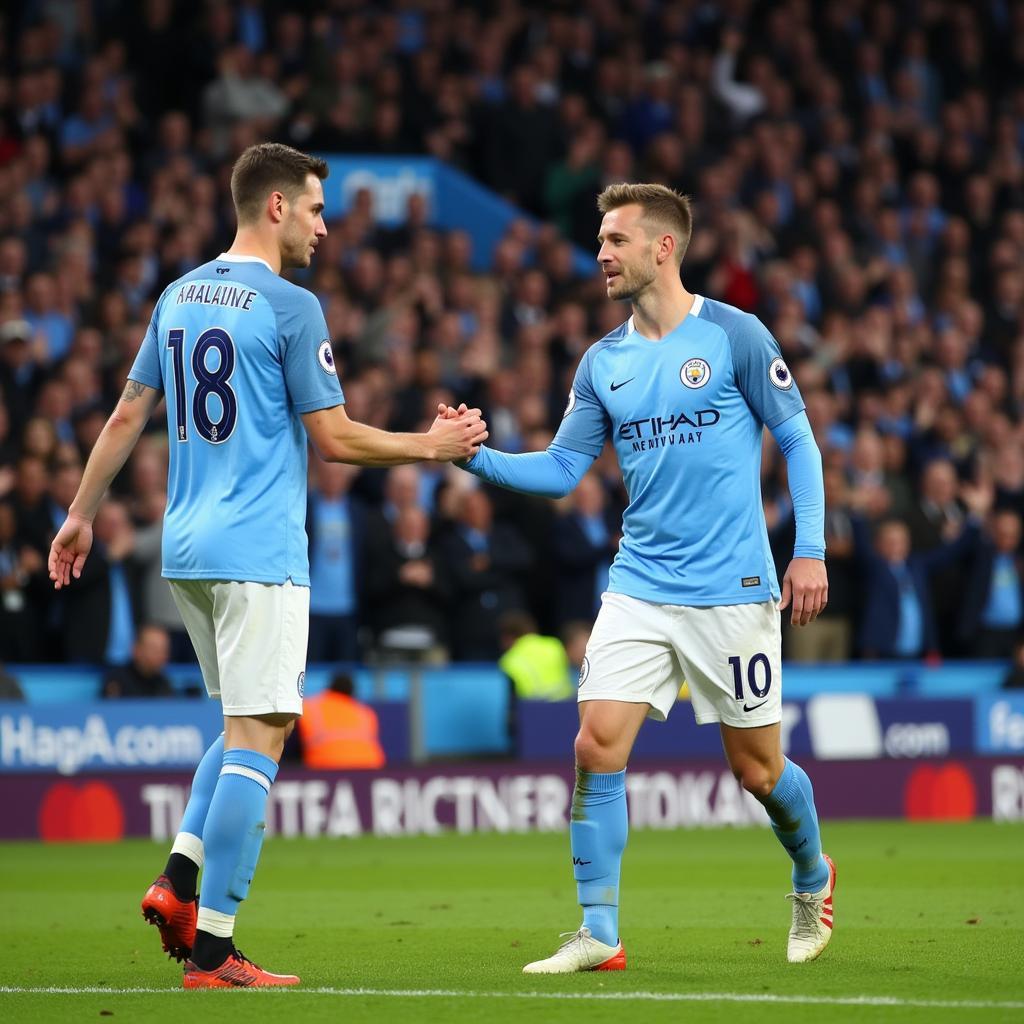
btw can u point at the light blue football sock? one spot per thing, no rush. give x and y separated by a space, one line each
790 805
204 782
233 835
597 834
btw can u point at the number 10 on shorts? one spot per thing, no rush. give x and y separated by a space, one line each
758 666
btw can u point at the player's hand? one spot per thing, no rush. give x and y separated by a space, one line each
69 550
457 437
449 412
805 585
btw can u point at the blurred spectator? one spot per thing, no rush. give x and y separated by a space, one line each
242 93
144 675
521 138
899 618
876 490
53 327
21 577
30 504
337 531
99 611
571 184
538 666
156 603
935 519
404 488
408 591
743 100
584 542
485 562
830 636
337 731
992 605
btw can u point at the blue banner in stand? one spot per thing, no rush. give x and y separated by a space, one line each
137 735
453 200
128 734
999 723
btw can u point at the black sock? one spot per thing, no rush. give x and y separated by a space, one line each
210 951
183 873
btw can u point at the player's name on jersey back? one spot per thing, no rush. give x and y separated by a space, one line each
216 295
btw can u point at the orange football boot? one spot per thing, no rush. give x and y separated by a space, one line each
175 918
238 971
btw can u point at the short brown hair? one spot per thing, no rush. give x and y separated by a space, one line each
664 208
270 167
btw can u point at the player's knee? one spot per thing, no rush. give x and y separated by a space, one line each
584 749
590 752
599 752
755 777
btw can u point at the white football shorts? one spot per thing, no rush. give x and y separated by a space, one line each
250 639
729 655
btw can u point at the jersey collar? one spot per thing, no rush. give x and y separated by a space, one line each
235 258
695 308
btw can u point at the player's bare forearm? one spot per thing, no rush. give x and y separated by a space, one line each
363 445
113 446
340 439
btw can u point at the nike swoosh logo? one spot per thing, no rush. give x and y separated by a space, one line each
755 707
615 387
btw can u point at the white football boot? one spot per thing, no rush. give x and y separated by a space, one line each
582 952
812 920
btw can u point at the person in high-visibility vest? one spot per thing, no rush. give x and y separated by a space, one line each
537 665
338 731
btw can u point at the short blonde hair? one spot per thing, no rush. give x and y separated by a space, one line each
664 209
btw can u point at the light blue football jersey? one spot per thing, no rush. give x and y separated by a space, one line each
686 417
240 353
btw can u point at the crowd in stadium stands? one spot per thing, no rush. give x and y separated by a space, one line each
857 169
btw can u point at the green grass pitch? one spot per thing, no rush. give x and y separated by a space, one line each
437 929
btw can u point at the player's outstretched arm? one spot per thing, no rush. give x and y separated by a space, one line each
552 473
805 585
73 541
340 439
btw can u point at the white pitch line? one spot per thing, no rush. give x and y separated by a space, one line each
656 997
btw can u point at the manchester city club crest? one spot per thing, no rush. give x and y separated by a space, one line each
695 373
584 671
779 375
